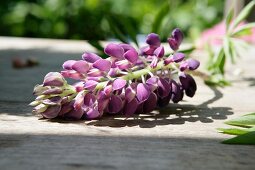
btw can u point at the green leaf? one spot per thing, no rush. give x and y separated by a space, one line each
244 139
163 11
244 30
243 14
227 50
217 80
250 114
235 131
243 121
229 18
233 51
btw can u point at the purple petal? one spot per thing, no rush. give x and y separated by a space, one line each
154 62
52 101
53 79
153 40
54 90
74 114
131 56
103 102
90 85
126 47
79 100
188 84
102 64
72 74
139 109
183 66
90 57
94 72
147 50
176 39
177 35
114 50
40 108
92 114
162 102
159 52
115 104
51 112
79 86
150 104
164 88
168 60
39 89
143 92
152 83
108 90
89 100
123 64
81 66
177 92
129 94
67 65
173 43
67 107
130 107
118 84
193 64
113 72
177 57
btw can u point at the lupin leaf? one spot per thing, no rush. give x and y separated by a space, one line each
235 131
243 14
243 121
244 139
226 48
244 30
229 18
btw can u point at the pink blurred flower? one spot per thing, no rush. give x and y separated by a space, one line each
214 35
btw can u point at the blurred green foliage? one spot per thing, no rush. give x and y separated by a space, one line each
102 19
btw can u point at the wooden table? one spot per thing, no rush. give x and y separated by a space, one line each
182 136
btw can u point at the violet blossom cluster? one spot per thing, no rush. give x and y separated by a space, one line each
127 82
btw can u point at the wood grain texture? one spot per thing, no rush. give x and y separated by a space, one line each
180 136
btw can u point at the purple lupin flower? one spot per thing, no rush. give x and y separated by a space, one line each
53 79
153 40
127 82
130 107
176 39
90 57
188 84
143 92
114 50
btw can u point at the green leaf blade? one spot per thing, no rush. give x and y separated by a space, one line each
235 131
244 30
229 18
244 139
243 121
244 13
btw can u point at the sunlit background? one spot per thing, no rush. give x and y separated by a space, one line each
102 19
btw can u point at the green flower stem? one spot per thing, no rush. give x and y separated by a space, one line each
139 73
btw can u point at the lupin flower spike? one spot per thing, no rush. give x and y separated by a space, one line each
128 82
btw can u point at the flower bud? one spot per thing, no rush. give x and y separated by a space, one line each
153 40
90 57
114 50
53 79
188 84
